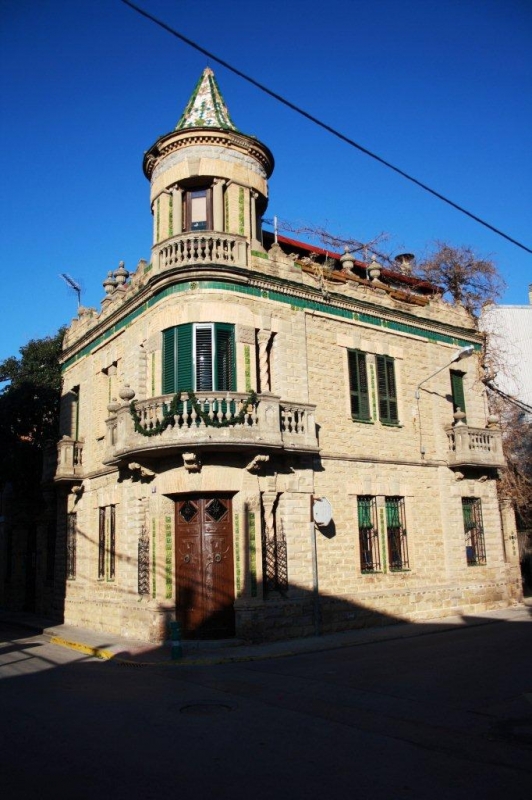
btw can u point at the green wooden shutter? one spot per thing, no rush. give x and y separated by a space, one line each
169 361
388 411
185 377
224 363
457 390
358 384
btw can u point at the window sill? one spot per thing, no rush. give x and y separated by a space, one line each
363 421
392 424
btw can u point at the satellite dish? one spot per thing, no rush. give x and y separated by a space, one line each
322 511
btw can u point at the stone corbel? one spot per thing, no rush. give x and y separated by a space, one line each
192 462
257 463
139 471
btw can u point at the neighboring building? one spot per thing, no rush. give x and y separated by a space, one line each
510 341
509 351
235 392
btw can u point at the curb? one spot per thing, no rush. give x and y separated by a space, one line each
98 652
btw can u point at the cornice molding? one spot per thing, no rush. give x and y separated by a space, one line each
152 293
177 140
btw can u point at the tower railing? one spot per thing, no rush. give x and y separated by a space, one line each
201 247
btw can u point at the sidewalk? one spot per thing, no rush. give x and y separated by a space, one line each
137 653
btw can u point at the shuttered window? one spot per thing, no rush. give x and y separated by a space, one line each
387 392
358 385
199 357
224 367
457 390
203 359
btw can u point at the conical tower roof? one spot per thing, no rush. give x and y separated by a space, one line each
206 107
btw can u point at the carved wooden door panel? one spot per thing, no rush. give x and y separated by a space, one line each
204 566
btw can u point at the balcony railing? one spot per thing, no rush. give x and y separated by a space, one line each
480 447
203 247
69 460
267 424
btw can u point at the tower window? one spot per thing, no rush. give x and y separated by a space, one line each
197 210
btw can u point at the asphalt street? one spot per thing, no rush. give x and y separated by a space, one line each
442 715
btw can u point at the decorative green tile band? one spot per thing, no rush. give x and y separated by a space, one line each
238 561
373 391
280 297
247 362
154 558
252 554
384 549
241 211
168 557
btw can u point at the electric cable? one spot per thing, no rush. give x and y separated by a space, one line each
322 124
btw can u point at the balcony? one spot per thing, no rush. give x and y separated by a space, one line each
69 460
203 247
215 421
474 447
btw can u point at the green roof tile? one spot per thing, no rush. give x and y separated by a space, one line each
206 107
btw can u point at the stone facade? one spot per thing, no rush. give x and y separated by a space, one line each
195 500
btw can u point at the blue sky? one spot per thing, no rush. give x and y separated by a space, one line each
441 89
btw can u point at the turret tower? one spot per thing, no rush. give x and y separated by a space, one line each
207 176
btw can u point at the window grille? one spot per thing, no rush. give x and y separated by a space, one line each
396 533
474 531
112 543
368 532
106 543
50 550
274 556
101 543
71 544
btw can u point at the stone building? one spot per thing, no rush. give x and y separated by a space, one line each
264 440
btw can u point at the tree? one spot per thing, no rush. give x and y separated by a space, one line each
29 410
463 275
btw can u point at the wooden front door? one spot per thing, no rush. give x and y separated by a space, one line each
204 566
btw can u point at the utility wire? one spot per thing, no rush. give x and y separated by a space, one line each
509 399
321 124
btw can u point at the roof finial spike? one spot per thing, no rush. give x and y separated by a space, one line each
206 107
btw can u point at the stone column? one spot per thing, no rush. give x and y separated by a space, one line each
177 211
263 338
218 205
509 532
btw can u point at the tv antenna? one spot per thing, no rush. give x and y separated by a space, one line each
73 285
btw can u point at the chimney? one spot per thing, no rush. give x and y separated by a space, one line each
530 293
405 262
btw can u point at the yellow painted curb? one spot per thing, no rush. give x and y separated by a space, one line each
98 652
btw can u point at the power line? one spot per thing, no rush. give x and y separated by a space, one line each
322 124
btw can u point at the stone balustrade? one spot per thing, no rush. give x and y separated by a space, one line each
202 247
268 423
69 460
481 447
